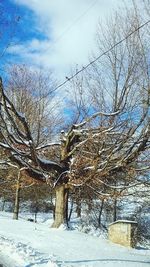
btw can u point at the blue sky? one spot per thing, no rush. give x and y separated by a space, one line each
55 34
19 27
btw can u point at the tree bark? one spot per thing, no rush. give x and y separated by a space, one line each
71 210
61 207
115 210
78 208
100 213
17 199
3 204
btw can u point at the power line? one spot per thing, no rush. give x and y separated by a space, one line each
68 79
72 24
65 30
76 20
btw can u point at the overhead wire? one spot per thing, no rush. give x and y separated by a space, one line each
72 24
68 79
65 30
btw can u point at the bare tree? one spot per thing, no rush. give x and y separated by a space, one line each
104 151
33 93
110 157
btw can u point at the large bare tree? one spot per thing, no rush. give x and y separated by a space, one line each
110 150
107 148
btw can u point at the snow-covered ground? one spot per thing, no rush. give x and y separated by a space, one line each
26 244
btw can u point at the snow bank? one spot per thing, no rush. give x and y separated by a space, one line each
36 245
22 255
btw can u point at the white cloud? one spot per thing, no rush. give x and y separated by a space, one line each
69 26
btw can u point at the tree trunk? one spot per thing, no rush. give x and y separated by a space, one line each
35 217
78 208
90 205
115 210
3 204
71 210
61 206
36 212
100 213
17 199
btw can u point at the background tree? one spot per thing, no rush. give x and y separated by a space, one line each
33 93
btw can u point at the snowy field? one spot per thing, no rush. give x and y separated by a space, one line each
26 244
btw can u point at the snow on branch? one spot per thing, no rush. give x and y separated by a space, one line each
4 145
49 165
94 116
8 163
118 187
48 145
59 178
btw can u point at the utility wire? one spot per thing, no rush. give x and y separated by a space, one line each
68 79
62 34
74 22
